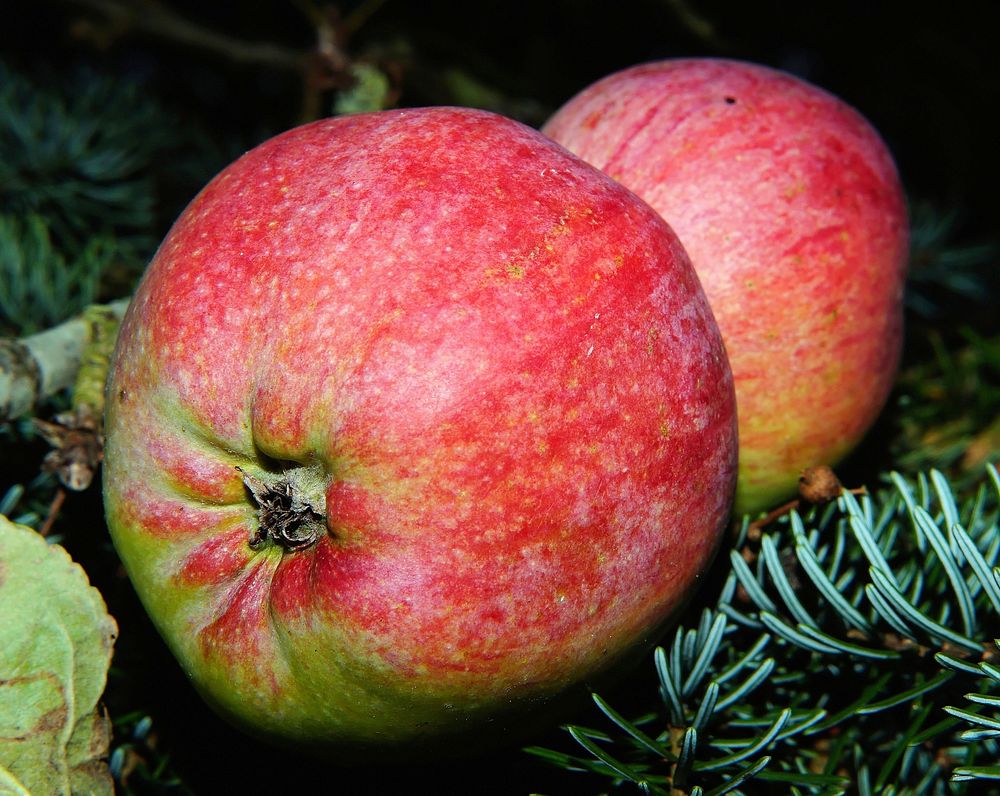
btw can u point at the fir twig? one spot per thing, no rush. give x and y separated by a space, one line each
940 266
896 594
38 286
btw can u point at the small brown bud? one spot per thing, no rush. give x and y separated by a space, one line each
818 485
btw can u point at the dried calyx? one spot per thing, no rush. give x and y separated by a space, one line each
291 509
819 485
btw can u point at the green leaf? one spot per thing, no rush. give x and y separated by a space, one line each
56 640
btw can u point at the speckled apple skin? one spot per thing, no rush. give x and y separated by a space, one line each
791 210
506 371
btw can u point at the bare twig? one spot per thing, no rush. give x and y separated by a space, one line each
153 18
324 68
77 436
360 15
984 447
77 442
327 66
54 508
817 486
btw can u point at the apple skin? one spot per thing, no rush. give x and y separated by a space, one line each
791 210
486 364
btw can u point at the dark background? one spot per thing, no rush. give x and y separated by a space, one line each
926 75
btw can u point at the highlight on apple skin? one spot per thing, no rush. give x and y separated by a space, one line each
415 421
791 209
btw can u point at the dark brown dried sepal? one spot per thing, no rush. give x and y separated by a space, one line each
282 516
819 485
78 446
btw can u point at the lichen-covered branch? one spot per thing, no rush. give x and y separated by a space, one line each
33 368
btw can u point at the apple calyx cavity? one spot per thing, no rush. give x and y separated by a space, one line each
291 507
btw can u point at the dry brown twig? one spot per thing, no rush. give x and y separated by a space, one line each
54 509
153 18
818 486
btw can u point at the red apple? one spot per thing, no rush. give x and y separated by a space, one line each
790 207
415 419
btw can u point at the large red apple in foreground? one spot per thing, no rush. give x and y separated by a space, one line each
791 210
415 418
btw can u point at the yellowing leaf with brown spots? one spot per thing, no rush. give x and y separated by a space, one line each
56 640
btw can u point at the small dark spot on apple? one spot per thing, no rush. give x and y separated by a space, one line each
730 100
122 395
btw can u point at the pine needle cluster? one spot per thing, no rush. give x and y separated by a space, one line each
851 645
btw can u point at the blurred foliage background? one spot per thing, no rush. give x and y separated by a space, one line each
113 113
125 108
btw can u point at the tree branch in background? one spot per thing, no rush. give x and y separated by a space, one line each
324 68
153 18
77 436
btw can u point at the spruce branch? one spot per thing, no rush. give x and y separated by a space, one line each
38 286
36 367
894 595
942 268
76 156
